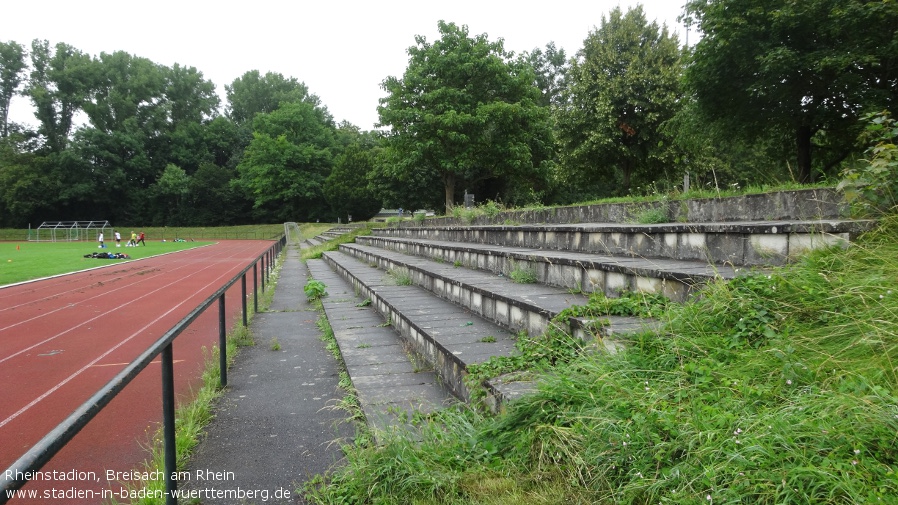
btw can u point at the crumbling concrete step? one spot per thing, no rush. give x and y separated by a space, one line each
527 307
576 271
390 387
446 335
802 204
452 338
740 243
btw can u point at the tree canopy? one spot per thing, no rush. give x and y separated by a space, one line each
285 165
463 112
770 86
623 86
12 67
808 67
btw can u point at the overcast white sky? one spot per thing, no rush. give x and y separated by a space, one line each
342 50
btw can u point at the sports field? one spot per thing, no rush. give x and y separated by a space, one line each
22 261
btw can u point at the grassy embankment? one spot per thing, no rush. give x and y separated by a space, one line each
778 388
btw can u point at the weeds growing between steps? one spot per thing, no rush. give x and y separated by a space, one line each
779 388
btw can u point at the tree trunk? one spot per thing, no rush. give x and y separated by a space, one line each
803 143
449 185
627 170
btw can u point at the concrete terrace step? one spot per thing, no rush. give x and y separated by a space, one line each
390 387
452 337
527 307
739 243
444 334
801 204
576 271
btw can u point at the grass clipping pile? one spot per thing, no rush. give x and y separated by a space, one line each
770 389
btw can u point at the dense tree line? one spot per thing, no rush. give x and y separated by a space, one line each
773 91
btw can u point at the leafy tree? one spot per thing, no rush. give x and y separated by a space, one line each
623 86
225 141
716 159
285 165
128 89
12 73
214 200
104 174
253 94
189 97
346 188
170 192
26 193
59 85
807 67
550 67
463 112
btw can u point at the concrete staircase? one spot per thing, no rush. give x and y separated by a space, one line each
327 236
445 287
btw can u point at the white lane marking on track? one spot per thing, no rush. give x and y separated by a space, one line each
92 363
126 364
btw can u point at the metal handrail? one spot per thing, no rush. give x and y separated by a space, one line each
39 454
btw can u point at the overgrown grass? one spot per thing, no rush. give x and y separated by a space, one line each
332 245
651 194
522 273
778 388
401 276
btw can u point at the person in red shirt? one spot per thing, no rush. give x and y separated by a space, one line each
140 239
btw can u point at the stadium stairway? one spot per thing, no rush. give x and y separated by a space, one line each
330 234
413 306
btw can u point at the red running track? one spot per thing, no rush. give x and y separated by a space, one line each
62 339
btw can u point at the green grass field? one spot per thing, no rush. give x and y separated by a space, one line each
22 261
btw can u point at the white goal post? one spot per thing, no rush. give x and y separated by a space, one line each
70 231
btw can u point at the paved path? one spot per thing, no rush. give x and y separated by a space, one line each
275 426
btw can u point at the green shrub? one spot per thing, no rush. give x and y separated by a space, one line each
315 290
522 275
873 186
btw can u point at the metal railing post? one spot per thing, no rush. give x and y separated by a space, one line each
270 264
168 424
243 298
256 288
222 341
263 273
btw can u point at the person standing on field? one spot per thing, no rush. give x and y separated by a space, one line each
133 241
100 240
118 239
140 239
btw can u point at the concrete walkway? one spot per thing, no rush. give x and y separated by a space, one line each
275 426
